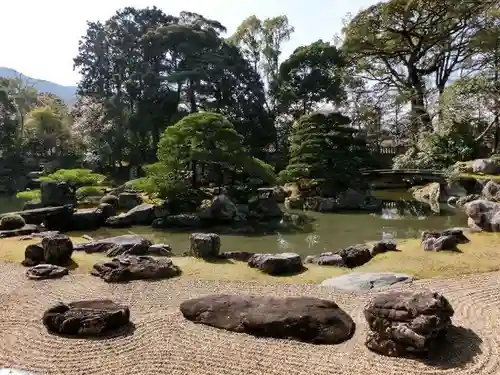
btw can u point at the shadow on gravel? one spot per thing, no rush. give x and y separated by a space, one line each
456 349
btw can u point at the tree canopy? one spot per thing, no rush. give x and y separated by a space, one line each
401 70
325 149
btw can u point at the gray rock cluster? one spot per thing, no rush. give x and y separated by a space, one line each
445 240
56 249
125 268
86 318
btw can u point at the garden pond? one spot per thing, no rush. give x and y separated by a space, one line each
400 217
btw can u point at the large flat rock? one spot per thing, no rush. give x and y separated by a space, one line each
363 282
113 246
305 319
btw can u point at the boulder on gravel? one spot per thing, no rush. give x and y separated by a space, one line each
204 245
277 264
57 249
131 267
364 282
54 249
406 323
305 319
86 318
356 255
112 246
46 271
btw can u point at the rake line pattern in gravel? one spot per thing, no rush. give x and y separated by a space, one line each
164 342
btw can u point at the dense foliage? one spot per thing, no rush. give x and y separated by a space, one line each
201 147
413 74
324 149
84 181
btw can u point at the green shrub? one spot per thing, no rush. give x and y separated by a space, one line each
79 177
29 195
12 221
437 151
90 191
110 199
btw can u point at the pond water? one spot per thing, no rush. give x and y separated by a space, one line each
401 217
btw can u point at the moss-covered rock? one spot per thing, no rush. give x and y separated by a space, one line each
11 222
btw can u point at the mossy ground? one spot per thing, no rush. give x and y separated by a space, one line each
482 254
479 176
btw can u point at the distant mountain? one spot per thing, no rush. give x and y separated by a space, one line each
66 93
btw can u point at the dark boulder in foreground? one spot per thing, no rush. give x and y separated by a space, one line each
305 319
277 264
86 318
54 249
406 323
126 244
46 271
130 267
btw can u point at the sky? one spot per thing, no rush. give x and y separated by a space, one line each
40 38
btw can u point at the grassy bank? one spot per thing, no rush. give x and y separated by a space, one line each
479 176
482 254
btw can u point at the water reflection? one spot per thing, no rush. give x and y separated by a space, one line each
402 209
400 217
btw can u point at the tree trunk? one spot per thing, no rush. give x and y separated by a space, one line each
421 121
192 98
194 178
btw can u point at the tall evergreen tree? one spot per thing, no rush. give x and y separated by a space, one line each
329 153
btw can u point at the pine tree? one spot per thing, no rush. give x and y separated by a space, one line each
327 152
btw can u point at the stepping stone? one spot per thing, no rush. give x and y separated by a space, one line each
46 271
305 319
86 318
363 282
